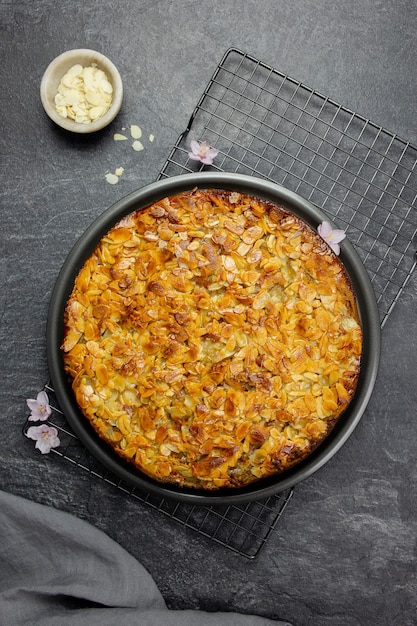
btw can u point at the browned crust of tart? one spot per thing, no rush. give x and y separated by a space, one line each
212 339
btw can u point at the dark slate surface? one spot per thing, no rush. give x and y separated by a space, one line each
344 553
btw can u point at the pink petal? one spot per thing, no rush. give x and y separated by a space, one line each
207 160
35 416
335 247
42 398
34 432
43 445
324 229
32 404
195 148
194 157
338 235
53 440
210 155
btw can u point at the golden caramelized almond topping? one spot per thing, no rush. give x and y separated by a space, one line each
212 339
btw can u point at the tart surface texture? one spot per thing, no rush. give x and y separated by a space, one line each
212 339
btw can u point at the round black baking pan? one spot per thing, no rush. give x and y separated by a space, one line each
142 198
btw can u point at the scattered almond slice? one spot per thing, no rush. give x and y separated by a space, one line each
135 131
136 134
137 145
113 179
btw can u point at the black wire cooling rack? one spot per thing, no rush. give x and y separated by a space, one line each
363 177
269 125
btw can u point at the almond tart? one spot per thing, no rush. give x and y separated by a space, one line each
212 339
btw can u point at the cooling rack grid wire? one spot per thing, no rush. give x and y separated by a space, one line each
269 125
363 177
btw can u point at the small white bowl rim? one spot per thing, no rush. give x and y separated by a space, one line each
59 66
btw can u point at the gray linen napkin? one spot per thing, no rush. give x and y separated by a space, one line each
58 570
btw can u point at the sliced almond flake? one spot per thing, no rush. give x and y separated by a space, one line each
96 112
113 179
119 137
151 138
135 131
119 171
105 86
137 145
84 94
75 70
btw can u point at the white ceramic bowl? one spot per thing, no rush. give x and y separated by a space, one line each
58 68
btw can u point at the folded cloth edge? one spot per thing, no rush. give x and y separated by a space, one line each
59 569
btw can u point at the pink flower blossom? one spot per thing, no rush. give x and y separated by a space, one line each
202 152
46 437
332 236
39 408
